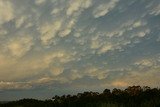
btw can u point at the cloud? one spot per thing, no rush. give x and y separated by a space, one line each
143 33
31 84
145 71
120 37
6 11
96 73
5 61
56 11
139 24
76 6
119 84
75 75
62 26
20 69
56 70
49 64
60 42
41 81
158 39
38 2
20 46
156 10
146 63
105 48
3 32
20 21
104 8
14 85
49 30
95 43
61 55
74 9
138 78
67 30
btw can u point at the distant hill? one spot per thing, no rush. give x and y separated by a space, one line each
4 102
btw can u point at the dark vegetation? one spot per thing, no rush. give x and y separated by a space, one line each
133 96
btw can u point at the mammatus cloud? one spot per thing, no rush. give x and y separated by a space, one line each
104 8
156 10
78 6
6 11
38 2
20 21
145 63
49 31
78 43
95 73
20 46
105 48
62 26
33 66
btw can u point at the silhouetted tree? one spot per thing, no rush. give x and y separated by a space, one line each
132 96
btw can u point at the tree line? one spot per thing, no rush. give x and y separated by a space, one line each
132 96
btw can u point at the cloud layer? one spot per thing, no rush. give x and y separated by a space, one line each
51 44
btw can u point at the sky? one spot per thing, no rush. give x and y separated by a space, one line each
56 47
